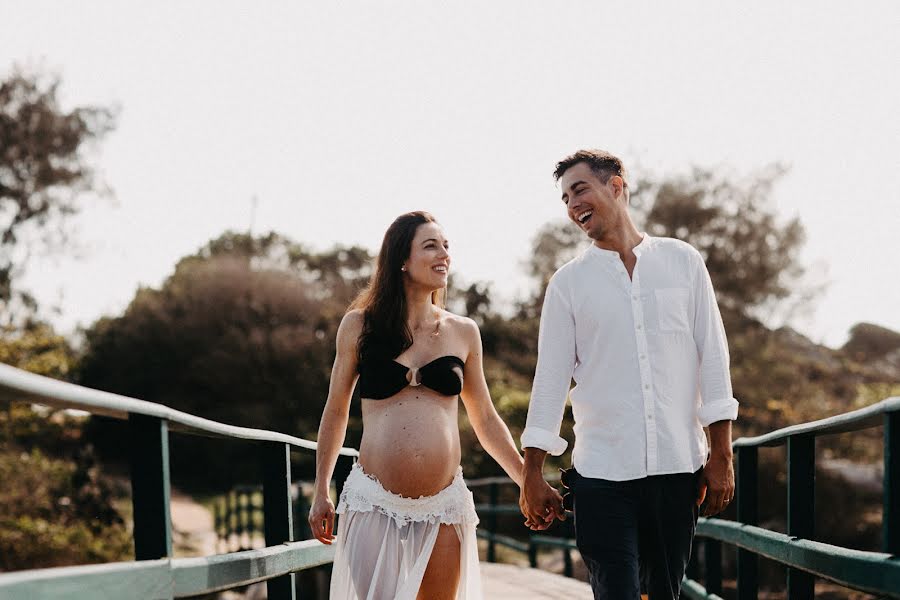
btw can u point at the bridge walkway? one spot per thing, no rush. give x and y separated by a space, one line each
194 536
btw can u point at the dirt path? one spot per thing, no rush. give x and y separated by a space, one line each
192 523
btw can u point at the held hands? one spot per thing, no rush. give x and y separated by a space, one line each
716 485
321 519
540 503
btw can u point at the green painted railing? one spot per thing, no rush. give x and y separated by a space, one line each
155 573
873 572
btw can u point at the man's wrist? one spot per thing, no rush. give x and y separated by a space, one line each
721 454
533 465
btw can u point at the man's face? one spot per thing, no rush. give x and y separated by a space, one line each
594 206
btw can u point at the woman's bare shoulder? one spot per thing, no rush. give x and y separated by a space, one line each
459 325
352 324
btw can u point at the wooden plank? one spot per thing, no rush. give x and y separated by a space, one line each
503 540
693 590
483 481
553 541
209 574
165 578
499 509
145 580
873 572
17 385
864 418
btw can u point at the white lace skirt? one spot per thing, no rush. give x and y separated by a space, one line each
384 540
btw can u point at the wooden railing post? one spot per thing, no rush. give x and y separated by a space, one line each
150 491
712 556
492 523
748 513
891 514
532 554
277 512
801 500
567 562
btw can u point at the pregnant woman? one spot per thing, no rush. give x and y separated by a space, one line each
407 518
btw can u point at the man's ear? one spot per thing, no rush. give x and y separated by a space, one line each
618 186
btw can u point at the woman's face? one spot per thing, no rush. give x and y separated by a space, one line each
428 264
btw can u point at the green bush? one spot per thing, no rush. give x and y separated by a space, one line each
56 512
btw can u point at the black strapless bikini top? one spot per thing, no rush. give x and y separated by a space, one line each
381 378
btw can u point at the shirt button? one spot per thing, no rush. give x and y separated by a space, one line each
634 298
649 417
643 357
639 326
646 386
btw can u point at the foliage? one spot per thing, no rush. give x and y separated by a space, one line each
56 512
242 332
555 243
871 342
37 349
751 257
44 173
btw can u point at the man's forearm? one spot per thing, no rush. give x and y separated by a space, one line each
720 439
534 462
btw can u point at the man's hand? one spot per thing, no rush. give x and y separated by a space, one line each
716 484
540 503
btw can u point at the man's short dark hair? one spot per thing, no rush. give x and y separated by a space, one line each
603 164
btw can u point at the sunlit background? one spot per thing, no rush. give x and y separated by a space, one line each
767 134
336 117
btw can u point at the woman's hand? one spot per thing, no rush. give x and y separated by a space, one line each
321 519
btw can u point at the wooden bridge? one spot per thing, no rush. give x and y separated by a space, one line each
156 574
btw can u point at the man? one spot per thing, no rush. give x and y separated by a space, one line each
634 321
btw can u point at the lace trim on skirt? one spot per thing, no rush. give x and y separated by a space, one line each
364 493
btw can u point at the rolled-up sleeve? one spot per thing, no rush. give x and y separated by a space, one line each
717 402
555 365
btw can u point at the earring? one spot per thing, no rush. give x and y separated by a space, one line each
403 268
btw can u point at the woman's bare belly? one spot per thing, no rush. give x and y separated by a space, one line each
410 441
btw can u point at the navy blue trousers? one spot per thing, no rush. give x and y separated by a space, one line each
636 534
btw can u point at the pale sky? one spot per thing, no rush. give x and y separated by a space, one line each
339 116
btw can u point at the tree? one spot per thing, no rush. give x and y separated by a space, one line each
870 342
242 332
554 244
44 174
751 256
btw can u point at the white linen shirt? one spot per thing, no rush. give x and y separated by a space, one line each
649 359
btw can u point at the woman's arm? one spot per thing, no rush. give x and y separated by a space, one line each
333 426
489 427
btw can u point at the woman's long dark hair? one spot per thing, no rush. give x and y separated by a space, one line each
383 301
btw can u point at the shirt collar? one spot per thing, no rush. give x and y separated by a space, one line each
644 244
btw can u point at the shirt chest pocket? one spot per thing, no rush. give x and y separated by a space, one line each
672 310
